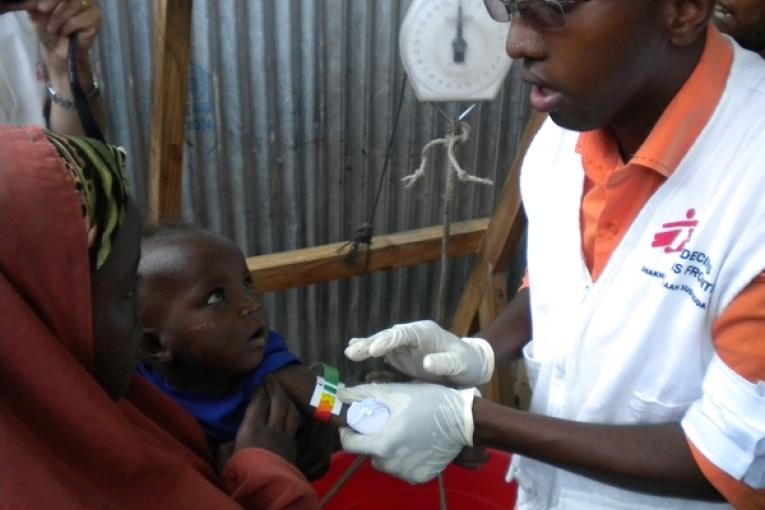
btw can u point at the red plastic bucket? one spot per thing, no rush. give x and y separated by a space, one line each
466 489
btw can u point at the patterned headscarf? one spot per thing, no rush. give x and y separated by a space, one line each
97 170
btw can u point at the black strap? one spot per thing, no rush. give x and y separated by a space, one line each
89 124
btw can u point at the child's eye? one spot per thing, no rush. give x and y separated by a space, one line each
216 297
249 288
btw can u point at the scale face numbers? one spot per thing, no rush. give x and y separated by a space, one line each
453 51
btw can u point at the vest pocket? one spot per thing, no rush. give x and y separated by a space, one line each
648 409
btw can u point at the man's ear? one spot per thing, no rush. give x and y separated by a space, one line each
152 348
687 20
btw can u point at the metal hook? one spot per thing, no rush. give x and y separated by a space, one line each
467 111
461 116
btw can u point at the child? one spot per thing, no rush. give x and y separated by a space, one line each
207 342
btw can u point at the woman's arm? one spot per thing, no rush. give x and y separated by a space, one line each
55 21
260 479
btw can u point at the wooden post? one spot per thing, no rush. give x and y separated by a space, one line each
172 47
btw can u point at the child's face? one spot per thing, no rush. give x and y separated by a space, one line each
214 323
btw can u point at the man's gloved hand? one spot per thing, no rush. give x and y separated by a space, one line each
427 428
424 350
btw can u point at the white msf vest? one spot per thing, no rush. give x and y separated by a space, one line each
635 346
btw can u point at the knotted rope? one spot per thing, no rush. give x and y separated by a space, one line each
458 133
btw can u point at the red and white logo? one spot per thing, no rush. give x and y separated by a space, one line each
675 235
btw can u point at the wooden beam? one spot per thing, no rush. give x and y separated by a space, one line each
502 234
298 268
172 44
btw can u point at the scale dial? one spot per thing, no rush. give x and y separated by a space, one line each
453 51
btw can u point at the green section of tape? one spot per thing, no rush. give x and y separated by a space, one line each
331 375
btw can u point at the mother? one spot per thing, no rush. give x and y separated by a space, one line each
77 428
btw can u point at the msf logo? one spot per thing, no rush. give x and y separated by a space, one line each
675 235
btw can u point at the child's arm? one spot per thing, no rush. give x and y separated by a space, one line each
316 439
299 383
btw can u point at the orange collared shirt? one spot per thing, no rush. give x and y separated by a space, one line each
615 192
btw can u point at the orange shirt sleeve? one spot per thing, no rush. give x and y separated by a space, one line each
738 494
739 332
259 479
739 338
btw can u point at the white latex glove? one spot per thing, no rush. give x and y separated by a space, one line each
428 427
424 350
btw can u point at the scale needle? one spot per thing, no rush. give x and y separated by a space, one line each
459 44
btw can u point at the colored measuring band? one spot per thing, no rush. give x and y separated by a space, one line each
331 375
324 409
324 397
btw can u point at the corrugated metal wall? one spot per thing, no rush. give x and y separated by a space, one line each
290 110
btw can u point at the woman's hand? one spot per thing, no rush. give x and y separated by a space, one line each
270 422
56 20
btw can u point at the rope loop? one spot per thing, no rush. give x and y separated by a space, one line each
459 132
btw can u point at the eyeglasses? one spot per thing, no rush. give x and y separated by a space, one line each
539 13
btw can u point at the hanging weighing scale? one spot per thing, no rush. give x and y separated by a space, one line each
452 50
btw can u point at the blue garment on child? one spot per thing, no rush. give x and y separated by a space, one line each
221 415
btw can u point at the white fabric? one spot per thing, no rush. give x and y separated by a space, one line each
21 95
728 423
428 427
634 347
426 351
